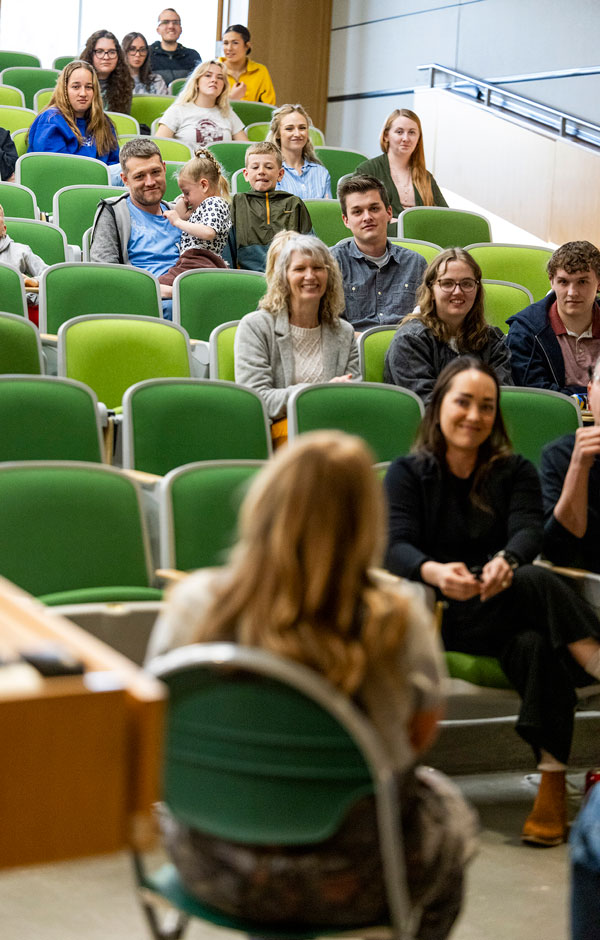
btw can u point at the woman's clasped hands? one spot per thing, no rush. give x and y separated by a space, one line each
458 583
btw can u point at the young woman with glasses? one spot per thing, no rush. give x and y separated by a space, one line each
102 50
145 82
448 322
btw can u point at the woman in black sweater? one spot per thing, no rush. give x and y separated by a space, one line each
466 518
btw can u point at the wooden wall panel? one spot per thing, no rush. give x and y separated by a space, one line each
292 39
575 207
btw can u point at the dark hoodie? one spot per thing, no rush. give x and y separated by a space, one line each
536 356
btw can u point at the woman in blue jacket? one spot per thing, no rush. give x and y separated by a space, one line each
74 121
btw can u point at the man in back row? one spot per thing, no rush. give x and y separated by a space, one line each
131 229
380 279
167 56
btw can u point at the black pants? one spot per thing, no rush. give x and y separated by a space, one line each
527 627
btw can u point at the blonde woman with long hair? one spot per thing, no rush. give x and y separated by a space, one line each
300 584
74 120
304 174
201 114
449 321
401 167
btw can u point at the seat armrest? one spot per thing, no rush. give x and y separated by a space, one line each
142 477
170 575
578 574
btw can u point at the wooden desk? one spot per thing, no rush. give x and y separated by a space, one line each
80 754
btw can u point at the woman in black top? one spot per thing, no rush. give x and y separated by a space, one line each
466 518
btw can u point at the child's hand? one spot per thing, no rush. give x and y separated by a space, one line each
172 216
182 208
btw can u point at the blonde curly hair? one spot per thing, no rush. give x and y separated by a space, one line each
278 289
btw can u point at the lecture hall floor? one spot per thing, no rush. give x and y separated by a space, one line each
513 891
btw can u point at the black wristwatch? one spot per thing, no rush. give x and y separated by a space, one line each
511 559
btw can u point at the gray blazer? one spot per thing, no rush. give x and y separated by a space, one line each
264 358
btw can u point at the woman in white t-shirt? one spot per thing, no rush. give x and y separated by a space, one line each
201 115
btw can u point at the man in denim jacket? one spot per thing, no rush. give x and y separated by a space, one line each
380 279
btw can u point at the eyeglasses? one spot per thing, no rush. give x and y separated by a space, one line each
133 50
169 22
105 53
467 285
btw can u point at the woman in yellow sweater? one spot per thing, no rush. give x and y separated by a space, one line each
248 80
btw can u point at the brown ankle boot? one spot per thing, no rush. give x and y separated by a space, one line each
547 821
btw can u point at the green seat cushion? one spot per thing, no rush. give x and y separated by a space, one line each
478 670
102 595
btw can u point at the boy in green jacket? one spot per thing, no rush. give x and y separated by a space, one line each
258 215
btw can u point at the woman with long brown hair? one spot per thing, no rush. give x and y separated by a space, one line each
465 516
102 50
401 167
449 321
300 584
74 120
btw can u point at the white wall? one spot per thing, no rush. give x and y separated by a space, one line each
376 46
52 29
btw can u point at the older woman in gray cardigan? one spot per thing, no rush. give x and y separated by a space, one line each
297 336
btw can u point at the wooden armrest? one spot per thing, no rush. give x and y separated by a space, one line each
578 574
172 575
140 476
49 337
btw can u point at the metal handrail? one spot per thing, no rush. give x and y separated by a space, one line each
579 72
566 125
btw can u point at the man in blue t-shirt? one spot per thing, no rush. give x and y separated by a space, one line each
131 229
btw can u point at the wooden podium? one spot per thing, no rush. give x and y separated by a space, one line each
80 754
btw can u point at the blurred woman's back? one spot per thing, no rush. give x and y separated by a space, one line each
300 584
